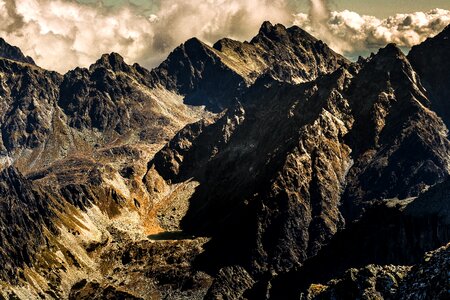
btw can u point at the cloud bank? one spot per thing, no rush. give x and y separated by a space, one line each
63 34
349 33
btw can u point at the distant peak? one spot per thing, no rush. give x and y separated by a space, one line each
265 27
192 46
194 43
113 58
268 29
13 53
280 33
391 59
391 50
113 61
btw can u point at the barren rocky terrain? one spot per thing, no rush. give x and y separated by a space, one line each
268 169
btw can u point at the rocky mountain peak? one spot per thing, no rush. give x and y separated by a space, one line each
13 53
191 48
279 32
112 61
272 31
388 56
265 27
193 43
198 71
391 50
200 74
391 66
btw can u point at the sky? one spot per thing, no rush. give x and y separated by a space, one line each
386 8
63 34
377 8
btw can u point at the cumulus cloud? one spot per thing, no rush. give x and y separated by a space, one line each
350 33
318 17
62 34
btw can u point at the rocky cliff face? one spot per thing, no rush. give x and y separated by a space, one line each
394 232
430 61
254 170
392 116
24 215
28 110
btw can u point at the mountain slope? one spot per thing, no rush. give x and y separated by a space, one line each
24 213
28 110
392 116
430 60
395 232
272 170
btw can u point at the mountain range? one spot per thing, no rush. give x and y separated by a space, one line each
268 169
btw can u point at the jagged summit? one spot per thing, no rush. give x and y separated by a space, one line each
198 71
13 53
113 61
279 32
393 64
391 50
266 27
272 31
194 42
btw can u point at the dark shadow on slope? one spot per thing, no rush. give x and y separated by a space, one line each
386 234
237 160
170 236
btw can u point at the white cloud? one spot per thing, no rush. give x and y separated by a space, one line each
349 33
